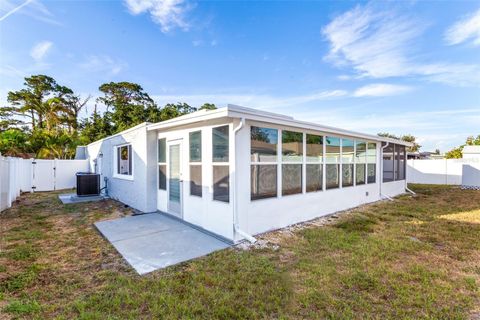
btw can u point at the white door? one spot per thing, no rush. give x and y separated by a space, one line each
174 183
43 175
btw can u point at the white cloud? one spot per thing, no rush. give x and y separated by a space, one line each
197 43
381 90
375 43
169 14
465 29
40 50
384 44
103 63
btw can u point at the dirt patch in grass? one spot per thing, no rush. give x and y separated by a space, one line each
416 257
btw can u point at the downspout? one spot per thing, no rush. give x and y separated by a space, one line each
236 227
406 188
381 171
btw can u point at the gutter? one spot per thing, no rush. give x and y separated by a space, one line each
381 170
236 227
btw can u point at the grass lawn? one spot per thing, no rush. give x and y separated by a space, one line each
417 257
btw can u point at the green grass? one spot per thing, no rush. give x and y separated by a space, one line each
414 258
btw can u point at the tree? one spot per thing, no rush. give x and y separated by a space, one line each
208 106
172 110
7 119
74 104
96 127
43 117
29 102
127 104
13 142
406 137
456 153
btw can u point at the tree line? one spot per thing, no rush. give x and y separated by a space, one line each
42 119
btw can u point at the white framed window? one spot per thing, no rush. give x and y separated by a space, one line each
195 156
220 163
348 158
123 160
360 162
162 163
332 159
263 163
314 165
292 162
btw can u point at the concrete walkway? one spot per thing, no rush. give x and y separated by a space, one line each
154 241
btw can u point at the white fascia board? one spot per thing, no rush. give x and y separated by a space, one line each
290 122
202 115
233 111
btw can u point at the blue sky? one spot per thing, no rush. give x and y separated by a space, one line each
402 67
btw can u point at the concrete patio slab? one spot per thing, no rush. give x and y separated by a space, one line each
69 198
153 241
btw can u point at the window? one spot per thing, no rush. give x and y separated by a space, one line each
400 162
360 162
371 162
394 156
196 180
314 177
263 144
263 180
221 169
348 157
162 164
195 139
314 148
291 179
292 146
220 144
388 163
292 158
332 159
221 183
314 166
263 168
124 160
195 147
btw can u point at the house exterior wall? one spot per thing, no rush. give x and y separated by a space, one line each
142 191
214 216
257 216
138 191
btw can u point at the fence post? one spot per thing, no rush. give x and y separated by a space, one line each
32 175
55 174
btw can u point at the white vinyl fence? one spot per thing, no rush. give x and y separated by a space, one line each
443 171
29 175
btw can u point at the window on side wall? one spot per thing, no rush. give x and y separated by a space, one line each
371 162
388 163
348 157
332 159
221 168
292 159
195 147
360 162
162 163
314 166
400 161
263 162
124 160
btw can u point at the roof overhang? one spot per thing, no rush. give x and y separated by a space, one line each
238 112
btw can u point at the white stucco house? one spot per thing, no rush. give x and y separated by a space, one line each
237 172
